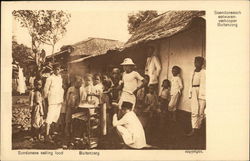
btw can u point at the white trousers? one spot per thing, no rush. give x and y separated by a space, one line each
197 108
125 134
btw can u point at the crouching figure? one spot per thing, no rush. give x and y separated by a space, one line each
129 127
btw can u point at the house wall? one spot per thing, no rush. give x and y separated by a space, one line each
78 68
180 50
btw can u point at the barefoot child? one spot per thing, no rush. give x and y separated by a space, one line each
150 111
72 101
164 95
150 101
141 94
175 92
37 109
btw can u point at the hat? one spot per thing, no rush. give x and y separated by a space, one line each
127 61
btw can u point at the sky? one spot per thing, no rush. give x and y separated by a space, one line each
101 24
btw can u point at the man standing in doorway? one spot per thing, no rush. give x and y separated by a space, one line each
153 67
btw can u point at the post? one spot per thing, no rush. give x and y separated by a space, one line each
103 119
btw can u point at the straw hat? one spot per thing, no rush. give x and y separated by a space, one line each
127 61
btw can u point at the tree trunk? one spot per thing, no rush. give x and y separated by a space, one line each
34 49
53 57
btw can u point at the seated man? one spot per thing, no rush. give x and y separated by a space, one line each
129 127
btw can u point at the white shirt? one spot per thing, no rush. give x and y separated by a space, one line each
196 78
176 85
199 78
53 89
131 81
131 122
98 89
84 91
153 69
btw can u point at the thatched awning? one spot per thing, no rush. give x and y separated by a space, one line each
95 46
165 25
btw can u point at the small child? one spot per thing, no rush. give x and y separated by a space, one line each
141 94
150 111
116 80
98 88
164 95
72 101
37 109
106 101
106 82
106 96
87 90
150 100
175 92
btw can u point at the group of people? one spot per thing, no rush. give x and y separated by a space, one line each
126 95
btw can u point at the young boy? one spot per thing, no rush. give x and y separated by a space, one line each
37 109
175 92
98 88
72 101
141 94
97 84
129 127
197 95
130 81
87 90
116 81
151 111
150 101
164 95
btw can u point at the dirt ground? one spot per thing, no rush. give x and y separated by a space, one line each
168 135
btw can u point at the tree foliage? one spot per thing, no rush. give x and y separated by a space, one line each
44 26
136 19
21 53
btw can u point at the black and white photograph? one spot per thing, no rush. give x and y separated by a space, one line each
120 80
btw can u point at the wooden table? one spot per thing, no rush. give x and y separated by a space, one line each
90 114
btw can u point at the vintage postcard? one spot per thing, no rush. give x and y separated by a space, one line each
132 80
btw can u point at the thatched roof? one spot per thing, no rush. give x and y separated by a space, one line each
95 46
164 25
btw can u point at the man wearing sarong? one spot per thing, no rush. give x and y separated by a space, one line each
53 90
197 95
